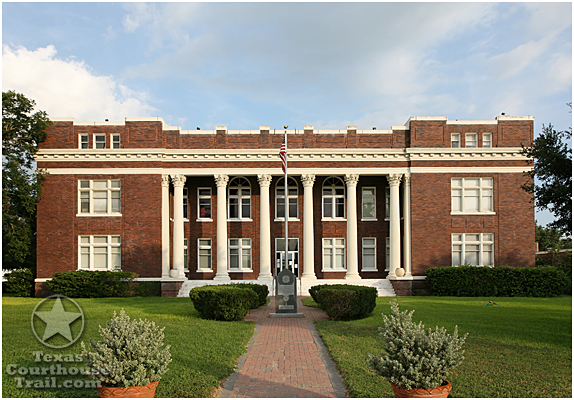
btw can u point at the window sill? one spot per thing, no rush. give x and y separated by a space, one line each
333 219
369 270
369 219
333 270
289 220
473 213
98 215
240 220
242 270
204 220
204 270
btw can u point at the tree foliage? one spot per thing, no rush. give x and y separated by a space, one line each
22 131
553 168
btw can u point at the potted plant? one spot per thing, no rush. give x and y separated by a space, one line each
130 359
415 361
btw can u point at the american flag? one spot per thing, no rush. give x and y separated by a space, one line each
283 155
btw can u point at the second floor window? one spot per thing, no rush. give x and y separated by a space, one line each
487 140
185 203
239 199
99 141
472 195
115 141
333 198
84 141
470 140
369 200
293 196
455 140
100 197
204 203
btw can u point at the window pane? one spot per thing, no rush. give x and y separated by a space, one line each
472 237
369 241
339 242
471 258
339 258
115 239
246 209
116 202
245 192
327 242
327 192
204 259
292 191
84 184
368 207
233 208
487 200
100 261
205 242
369 261
100 184
471 200
293 244
234 242
246 242
456 182
327 260
205 192
246 260
85 261
456 203
487 237
292 208
368 191
340 207
115 184
339 192
468 182
327 208
100 239
85 202
456 237
234 260
84 239
116 258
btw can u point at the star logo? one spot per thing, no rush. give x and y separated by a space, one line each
60 325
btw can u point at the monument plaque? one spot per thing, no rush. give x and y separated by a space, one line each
286 295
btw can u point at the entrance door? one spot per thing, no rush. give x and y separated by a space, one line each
292 253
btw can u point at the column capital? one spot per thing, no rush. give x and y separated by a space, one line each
221 180
178 180
394 179
407 179
165 180
352 179
264 180
308 180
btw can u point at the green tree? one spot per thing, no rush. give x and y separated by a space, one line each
551 239
553 169
22 131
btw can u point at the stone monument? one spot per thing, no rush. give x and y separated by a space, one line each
286 296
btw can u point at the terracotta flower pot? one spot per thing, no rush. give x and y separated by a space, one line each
437 392
147 391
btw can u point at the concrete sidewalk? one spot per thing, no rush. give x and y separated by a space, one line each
285 358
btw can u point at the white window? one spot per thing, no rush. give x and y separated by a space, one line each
204 203
84 141
470 140
99 197
333 198
369 201
116 141
388 254
185 203
333 254
293 196
472 195
387 203
239 199
487 140
455 140
369 254
185 255
239 255
473 249
203 255
100 252
99 141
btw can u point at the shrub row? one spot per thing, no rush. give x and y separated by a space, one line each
343 302
20 282
262 292
90 284
223 302
469 281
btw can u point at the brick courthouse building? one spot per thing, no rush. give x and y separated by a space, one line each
372 207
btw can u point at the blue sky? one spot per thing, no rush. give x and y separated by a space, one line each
244 65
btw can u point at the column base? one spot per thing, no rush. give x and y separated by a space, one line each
173 273
353 277
222 278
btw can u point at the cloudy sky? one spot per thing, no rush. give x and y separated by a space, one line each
330 65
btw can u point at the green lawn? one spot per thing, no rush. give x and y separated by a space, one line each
203 352
522 348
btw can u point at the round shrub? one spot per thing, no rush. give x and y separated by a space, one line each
223 302
343 302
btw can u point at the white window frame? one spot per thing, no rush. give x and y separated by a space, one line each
455 140
368 196
186 204
333 197
460 192
280 185
460 242
487 139
243 249
81 142
203 197
185 254
96 143
90 190
115 139
387 203
241 198
111 250
199 255
468 138
388 254
369 246
331 244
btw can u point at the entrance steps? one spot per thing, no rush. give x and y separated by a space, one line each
384 287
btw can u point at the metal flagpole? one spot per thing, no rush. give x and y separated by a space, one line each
286 206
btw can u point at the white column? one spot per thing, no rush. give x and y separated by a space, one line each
165 226
178 183
308 235
222 272
352 242
265 227
407 224
395 228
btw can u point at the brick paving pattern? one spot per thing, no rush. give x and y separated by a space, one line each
285 358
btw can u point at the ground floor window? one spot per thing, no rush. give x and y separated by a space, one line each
473 249
388 254
239 255
369 254
333 254
100 252
185 255
204 254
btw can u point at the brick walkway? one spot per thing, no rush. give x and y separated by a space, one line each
285 358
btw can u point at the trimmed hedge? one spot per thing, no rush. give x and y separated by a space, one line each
469 281
20 282
223 302
91 284
343 302
262 292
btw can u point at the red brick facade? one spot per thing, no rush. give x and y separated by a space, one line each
149 150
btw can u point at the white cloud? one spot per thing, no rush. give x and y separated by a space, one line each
68 88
